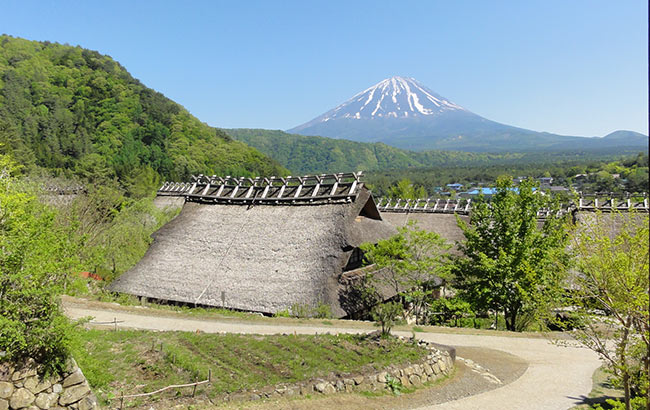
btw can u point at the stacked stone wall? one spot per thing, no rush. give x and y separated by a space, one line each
21 387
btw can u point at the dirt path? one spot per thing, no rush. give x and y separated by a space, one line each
530 373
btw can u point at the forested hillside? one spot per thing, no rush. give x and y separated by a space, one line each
310 154
79 113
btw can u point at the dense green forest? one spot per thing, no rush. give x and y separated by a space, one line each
308 155
75 112
602 170
629 174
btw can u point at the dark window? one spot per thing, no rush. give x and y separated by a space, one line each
356 258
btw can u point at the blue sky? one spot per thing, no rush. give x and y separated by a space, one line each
569 67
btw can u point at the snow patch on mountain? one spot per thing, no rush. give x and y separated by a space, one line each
395 97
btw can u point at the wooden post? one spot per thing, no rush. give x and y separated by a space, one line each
335 186
115 323
122 400
209 375
161 347
268 183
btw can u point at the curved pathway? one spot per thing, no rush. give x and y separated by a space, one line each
556 378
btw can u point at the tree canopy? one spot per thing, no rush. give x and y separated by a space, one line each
611 258
36 255
74 111
409 264
604 169
510 264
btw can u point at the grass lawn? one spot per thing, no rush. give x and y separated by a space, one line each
124 361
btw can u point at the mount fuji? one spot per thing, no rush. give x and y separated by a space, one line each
402 112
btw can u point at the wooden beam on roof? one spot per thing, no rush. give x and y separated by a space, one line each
309 188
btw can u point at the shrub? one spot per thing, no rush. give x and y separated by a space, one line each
35 256
450 310
300 310
386 314
282 313
322 311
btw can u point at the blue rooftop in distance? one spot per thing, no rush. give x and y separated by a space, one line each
489 191
484 191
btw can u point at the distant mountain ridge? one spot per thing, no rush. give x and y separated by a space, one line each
403 113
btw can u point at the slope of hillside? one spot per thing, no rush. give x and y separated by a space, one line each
309 154
77 112
305 155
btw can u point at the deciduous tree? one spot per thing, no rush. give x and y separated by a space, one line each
510 263
35 256
408 263
611 253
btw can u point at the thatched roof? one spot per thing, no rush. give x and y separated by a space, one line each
443 224
439 215
599 223
256 257
168 202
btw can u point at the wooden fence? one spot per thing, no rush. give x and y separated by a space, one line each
172 386
122 396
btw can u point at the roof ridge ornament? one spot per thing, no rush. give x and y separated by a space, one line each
463 206
342 187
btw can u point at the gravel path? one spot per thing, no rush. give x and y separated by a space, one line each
532 373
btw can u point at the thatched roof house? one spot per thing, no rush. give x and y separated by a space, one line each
440 215
435 215
258 244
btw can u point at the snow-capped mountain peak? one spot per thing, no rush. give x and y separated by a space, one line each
395 97
401 112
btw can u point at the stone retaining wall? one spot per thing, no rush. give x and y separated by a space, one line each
23 388
437 364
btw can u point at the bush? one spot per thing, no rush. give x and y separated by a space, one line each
450 311
386 314
282 313
36 255
322 311
301 310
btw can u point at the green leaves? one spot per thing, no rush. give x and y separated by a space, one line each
36 255
386 314
405 189
75 111
611 260
410 258
408 264
511 264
